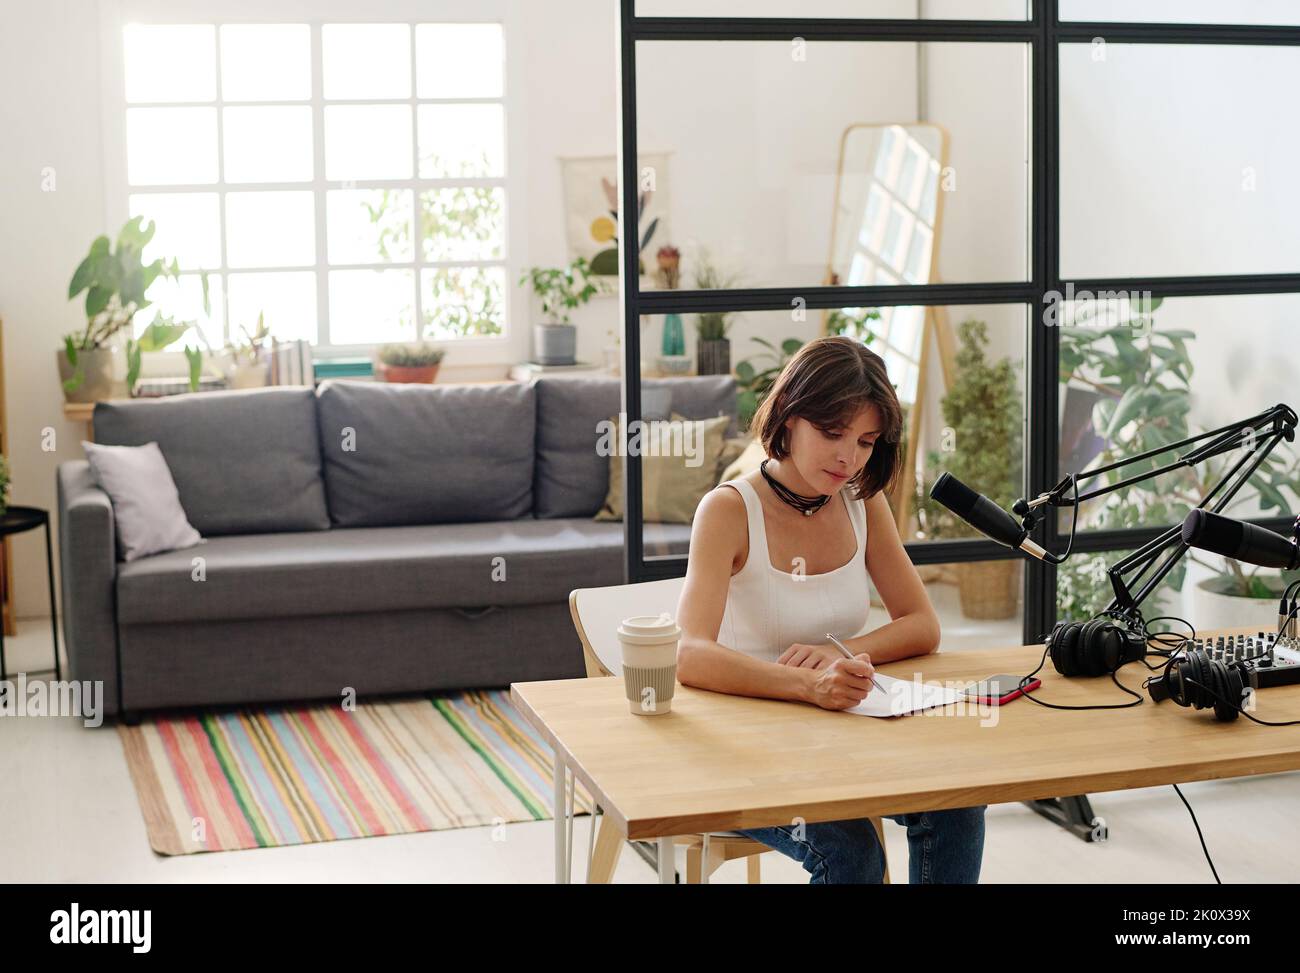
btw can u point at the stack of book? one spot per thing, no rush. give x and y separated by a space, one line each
154 388
529 370
291 363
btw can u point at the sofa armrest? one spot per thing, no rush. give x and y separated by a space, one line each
88 579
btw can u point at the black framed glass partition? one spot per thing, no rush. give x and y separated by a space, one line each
1039 189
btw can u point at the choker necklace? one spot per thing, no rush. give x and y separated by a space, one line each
807 505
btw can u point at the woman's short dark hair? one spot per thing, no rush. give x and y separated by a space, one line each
828 382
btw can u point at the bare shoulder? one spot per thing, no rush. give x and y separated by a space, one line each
722 511
720 532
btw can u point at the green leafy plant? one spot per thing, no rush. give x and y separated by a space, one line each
420 355
561 289
462 303
1142 376
755 375
115 279
982 410
163 332
713 325
253 346
454 223
4 485
843 322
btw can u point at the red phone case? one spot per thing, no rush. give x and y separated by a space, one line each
1000 700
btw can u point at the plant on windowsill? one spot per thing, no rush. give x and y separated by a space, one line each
561 290
115 279
246 362
417 363
982 414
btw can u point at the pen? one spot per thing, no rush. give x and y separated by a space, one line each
847 654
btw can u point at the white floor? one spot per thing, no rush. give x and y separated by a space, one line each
68 813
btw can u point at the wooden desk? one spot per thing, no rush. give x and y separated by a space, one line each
720 762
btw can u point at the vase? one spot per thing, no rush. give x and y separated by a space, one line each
674 340
248 375
95 368
554 344
713 356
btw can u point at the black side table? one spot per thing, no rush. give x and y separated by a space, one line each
14 521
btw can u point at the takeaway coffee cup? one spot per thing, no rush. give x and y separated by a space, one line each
649 662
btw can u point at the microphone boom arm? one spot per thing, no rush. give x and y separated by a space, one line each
1281 421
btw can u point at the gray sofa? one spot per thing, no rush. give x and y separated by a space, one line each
382 538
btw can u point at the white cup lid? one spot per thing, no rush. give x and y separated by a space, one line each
651 628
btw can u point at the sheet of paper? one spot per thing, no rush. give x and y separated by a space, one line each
898 697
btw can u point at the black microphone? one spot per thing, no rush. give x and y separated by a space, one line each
1239 540
984 515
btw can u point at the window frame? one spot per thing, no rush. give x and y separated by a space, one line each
1043 32
509 347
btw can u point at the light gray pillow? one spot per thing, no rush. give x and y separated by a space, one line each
146 505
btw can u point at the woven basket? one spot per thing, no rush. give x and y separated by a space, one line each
989 589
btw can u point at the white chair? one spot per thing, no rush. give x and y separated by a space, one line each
597 613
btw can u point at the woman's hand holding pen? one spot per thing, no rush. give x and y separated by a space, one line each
843 683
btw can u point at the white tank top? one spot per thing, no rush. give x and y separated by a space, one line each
768 610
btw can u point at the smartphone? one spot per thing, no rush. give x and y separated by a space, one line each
999 689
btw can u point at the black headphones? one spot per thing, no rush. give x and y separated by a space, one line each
1198 681
1096 647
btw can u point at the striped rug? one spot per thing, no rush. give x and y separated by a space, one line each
267 776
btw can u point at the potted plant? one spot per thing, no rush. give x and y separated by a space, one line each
114 278
246 363
4 485
982 408
712 346
412 364
561 290
753 383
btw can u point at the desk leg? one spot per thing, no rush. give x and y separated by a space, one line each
559 807
1074 814
667 862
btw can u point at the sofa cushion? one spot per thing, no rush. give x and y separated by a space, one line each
375 569
146 507
244 462
572 478
426 454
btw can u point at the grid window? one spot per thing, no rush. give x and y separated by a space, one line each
346 180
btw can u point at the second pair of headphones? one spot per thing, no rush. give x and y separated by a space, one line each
1096 647
1198 681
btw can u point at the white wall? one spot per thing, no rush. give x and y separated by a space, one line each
49 113
754 135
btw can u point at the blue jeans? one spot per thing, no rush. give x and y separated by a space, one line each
944 847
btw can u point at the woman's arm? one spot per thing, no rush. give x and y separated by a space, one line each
718 535
915 626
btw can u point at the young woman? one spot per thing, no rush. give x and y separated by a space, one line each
780 557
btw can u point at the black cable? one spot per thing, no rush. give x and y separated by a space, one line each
1192 682
1214 870
1137 697
1074 519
